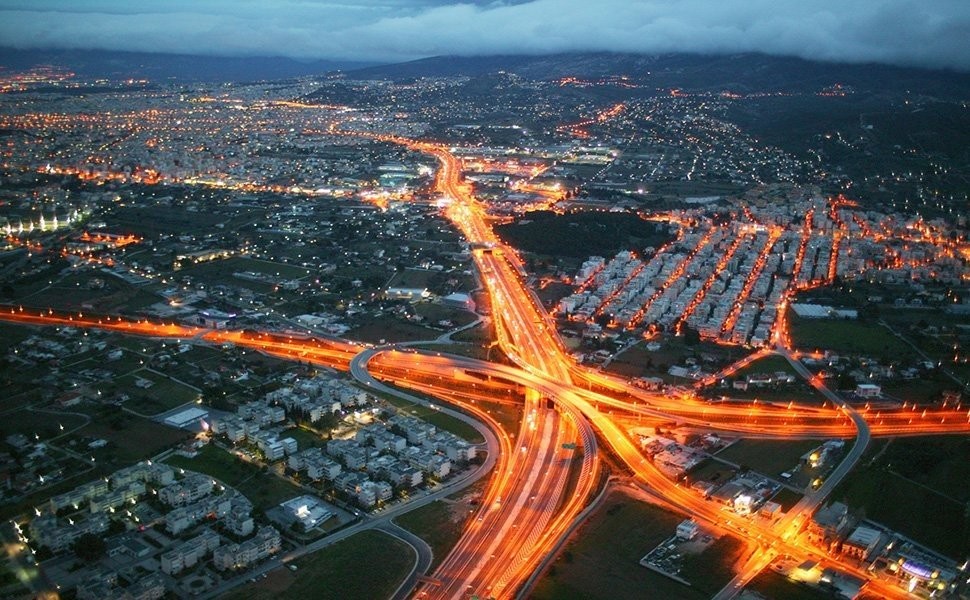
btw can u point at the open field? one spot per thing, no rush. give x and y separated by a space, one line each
637 361
387 330
787 498
436 418
710 470
437 524
338 572
44 424
132 438
263 489
434 312
848 337
918 487
602 559
304 437
710 570
775 586
768 364
797 392
164 393
770 457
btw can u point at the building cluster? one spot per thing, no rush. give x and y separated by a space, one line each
383 457
892 555
745 494
672 459
368 461
731 282
178 504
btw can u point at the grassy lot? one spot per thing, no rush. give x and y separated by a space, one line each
710 470
436 418
339 572
508 416
798 392
412 278
437 524
263 489
602 559
918 487
304 437
768 364
942 463
482 334
639 362
132 438
786 498
164 394
775 586
45 424
387 330
848 337
433 313
11 335
225 268
713 568
463 349
770 457
918 390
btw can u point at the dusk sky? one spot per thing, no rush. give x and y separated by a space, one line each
931 33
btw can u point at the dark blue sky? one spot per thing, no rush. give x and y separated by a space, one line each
931 33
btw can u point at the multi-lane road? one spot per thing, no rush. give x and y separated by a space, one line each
544 474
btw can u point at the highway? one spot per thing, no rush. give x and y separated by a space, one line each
540 485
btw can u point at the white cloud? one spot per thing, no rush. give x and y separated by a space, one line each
932 33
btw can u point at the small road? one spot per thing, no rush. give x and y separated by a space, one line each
383 521
799 514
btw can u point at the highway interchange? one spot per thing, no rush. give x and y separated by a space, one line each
545 474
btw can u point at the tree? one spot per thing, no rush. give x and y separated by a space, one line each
691 336
90 547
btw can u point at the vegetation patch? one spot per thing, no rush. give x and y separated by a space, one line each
848 337
263 489
770 457
917 487
582 234
439 524
338 572
602 558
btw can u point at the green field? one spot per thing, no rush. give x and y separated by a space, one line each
164 394
713 568
786 498
436 418
388 330
434 523
304 437
131 438
770 457
775 586
263 489
11 335
918 487
601 561
769 364
367 565
433 313
45 424
508 416
848 337
226 267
